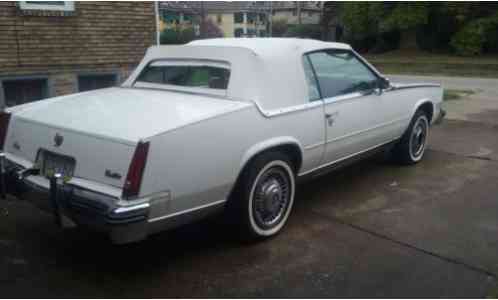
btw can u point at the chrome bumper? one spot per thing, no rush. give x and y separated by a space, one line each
84 207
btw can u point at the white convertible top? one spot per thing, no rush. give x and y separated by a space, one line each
268 71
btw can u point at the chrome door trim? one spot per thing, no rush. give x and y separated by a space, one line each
344 158
288 109
366 130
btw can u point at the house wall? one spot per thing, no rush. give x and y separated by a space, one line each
228 25
307 17
97 37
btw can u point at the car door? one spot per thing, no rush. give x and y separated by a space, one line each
352 103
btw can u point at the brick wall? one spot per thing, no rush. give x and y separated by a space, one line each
96 37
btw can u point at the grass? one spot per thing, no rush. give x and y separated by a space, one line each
416 62
450 95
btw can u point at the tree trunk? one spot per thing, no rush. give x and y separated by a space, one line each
408 39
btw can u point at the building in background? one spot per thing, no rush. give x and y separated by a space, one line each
235 19
55 48
178 15
298 12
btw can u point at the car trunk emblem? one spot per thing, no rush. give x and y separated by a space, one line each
58 140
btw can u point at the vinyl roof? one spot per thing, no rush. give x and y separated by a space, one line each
267 71
270 47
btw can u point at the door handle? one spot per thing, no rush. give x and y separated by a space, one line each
331 118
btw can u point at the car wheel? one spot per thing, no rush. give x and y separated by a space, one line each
264 195
411 147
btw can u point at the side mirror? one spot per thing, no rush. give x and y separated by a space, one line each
384 83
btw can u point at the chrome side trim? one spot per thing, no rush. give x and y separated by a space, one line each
345 97
125 209
398 87
344 158
313 146
366 130
186 211
287 110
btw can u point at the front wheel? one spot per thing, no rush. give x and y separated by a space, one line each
411 147
264 196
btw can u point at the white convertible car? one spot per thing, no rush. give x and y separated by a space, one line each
219 124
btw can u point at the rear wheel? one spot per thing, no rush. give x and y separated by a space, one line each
263 198
411 147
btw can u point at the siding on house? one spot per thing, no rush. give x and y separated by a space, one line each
95 38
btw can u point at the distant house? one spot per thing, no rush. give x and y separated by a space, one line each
298 12
235 18
178 15
56 48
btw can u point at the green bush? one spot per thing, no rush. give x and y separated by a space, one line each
170 37
474 36
176 36
304 31
469 40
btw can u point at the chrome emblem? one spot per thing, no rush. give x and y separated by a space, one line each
58 140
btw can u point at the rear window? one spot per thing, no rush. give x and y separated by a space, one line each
193 75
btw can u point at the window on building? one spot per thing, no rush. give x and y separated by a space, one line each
171 17
251 32
188 18
238 32
262 18
219 18
19 91
262 33
310 14
273 13
96 81
294 12
47 5
238 18
251 18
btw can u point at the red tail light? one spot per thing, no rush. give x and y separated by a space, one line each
4 125
134 178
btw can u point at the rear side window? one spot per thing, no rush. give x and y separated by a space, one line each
191 74
311 81
339 72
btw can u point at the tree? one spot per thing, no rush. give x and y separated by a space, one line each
405 17
304 31
177 36
211 30
279 27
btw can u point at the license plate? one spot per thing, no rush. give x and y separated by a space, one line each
52 163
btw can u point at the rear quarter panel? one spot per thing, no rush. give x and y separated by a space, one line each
199 163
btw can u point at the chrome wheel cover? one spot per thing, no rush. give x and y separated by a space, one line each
418 138
271 197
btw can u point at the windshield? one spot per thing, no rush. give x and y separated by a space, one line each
195 76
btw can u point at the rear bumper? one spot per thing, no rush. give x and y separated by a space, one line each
84 207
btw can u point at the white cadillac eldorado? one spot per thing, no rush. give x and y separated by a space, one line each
217 124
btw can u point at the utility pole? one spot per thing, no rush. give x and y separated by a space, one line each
298 4
203 21
158 33
270 20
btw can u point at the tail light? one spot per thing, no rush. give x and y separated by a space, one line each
4 125
134 177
